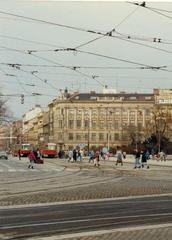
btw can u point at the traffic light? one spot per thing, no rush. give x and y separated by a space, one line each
22 98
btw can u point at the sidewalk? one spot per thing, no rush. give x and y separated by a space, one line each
130 159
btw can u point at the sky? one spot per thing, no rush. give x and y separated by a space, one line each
47 46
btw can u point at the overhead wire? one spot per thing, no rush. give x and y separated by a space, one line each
67 67
108 33
18 67
76 66
81 29
158 11
98 55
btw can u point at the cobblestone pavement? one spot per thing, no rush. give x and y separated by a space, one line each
150 234
58 180
138 233
65 181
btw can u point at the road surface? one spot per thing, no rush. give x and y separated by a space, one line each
20 223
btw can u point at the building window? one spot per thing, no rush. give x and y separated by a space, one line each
71 124
86 137
60 136
116 136
94 112
78 123
132 123
116 124
70 136
117 112
148 98
139 124
101 125
60 124
78 137
79 112
62 111
147 113
71 111
101 136
93 124
132 113
93 136
86 123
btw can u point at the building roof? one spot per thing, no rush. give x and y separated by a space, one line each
93 96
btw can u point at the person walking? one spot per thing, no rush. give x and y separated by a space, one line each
162 156
97 159
91 156
19 154
74 155
32 159
119 157
145 157
70 154
38 157
137 159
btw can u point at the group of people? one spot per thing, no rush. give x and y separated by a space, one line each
75 155
141 158
33 157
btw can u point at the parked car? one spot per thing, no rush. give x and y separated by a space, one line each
3 154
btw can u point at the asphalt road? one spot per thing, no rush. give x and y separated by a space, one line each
20 223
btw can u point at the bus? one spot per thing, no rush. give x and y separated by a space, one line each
49 150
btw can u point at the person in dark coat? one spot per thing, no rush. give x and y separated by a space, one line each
137 159
145 158
74 155
19 154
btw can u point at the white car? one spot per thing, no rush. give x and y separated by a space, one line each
3 155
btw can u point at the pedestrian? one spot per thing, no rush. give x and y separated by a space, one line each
32 159
124 155
91 156
145 157
97 159
79 155
19 154
137 159
74 155
153 154
119 157
162 156
70 154
38 155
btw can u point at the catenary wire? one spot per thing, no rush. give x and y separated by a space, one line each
95 39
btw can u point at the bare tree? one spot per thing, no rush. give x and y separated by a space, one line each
4 111
135 134
161 121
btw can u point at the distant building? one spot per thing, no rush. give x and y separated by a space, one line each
97 119
30 125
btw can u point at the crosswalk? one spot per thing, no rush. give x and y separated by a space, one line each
18 166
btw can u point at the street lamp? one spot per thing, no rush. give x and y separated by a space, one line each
109 128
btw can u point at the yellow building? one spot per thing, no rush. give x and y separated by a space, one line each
97 120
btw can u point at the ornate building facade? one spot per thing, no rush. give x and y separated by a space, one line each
97 120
